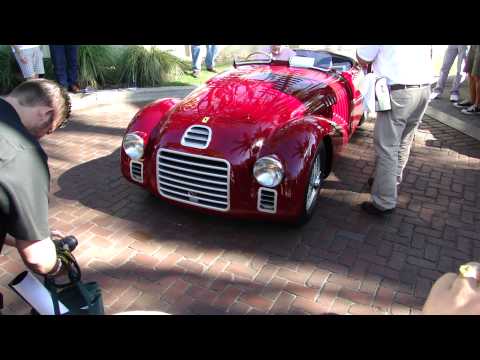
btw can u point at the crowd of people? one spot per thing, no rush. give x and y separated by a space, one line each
64 59
38 107
468 63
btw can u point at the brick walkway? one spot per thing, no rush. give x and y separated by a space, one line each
148 255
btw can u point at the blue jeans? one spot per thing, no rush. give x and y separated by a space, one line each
65 63
212 51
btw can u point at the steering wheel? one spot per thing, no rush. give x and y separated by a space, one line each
269 57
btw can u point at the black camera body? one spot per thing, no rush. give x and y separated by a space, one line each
69 243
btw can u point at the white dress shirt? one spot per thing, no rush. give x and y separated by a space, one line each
400 64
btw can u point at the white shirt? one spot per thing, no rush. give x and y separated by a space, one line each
24 47
285 53
400 64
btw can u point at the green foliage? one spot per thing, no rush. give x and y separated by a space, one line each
96 65
10 75
149 67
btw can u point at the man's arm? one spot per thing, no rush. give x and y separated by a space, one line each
39 256
367 54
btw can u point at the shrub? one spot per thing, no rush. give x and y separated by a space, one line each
96 65
149 67
10 74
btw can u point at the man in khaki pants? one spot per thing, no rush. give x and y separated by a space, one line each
408 71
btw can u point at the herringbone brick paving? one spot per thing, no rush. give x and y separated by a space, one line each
148 255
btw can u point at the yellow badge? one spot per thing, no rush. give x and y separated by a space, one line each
205 119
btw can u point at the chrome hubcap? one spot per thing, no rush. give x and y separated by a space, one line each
314 183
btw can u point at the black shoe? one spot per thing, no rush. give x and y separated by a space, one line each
196 73
370 182
471 110
212 70
463 104
369 208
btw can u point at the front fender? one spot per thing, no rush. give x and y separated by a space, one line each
143 123
151 115
296 144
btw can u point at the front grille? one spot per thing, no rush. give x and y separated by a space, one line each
267 200
194 179
136 171
197 136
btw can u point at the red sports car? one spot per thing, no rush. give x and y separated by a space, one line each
256 141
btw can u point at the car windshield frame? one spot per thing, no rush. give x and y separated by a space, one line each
237 62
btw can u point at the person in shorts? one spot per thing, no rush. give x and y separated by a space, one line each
30 60
472 68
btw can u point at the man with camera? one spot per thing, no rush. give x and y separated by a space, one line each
32 110
402 91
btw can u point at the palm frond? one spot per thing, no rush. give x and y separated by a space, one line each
95 62
149 67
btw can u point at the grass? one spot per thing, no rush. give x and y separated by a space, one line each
188 80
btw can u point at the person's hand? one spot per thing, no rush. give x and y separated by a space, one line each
56 234
454 294
23 59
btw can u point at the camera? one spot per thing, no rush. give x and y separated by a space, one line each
69 243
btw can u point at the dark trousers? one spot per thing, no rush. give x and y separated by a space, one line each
65 64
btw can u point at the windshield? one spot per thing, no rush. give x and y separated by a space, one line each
320 59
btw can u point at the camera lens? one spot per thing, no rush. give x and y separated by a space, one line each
69 243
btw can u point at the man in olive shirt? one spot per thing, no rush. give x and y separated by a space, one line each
32 110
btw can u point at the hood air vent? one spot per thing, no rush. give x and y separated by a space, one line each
197 136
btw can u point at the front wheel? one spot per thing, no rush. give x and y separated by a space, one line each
363 119
314 185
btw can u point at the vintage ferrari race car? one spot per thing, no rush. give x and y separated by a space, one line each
256 141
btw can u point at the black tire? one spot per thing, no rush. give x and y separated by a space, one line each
306 215
363 119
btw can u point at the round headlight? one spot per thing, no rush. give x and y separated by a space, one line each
268 171
133 146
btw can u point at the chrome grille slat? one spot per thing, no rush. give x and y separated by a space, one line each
197 136
198 197
267 200
190 189
136 171
194 179
194 164
201 203
194 171
192 184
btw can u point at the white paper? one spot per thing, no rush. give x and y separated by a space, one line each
367 89
36 294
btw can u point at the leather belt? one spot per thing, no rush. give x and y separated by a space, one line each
402 86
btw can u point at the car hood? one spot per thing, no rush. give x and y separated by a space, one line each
243 107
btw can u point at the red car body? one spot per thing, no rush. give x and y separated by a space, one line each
251 111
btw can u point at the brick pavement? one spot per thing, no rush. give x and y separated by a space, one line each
148 255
